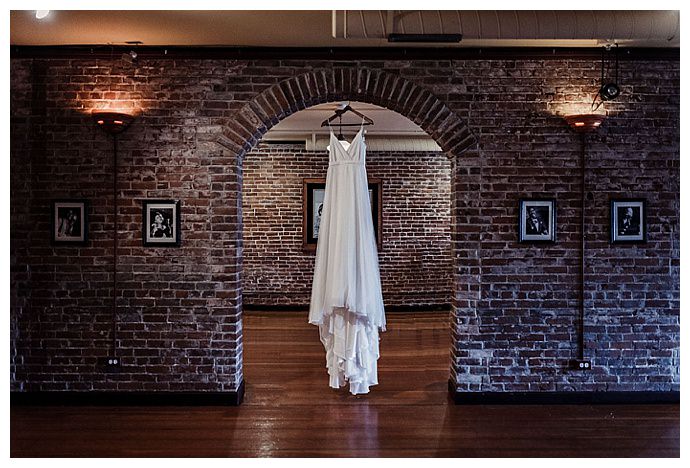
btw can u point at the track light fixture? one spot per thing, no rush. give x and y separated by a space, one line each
131 56
609 89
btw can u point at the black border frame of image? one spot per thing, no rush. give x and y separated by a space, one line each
643 221
85 218
145 222
521 206
376 185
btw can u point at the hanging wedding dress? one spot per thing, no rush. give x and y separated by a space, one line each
346 299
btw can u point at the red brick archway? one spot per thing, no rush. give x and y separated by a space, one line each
383 89
243 129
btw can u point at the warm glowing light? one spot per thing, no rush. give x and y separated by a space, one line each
40 14
112 122
584 123
127 107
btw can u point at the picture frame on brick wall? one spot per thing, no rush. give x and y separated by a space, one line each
537 220
313 191
161 222
69 221
628 220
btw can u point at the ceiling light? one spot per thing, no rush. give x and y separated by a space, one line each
40 14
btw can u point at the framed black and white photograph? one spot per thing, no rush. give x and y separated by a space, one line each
312 209
161 223
70 222
537 220
628 220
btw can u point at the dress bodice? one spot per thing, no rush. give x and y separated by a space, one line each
352 154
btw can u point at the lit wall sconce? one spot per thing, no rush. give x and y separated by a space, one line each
585 123
112 122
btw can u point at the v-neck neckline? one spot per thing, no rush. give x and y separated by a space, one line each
353 140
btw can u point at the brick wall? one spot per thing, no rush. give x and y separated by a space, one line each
179 314
415 260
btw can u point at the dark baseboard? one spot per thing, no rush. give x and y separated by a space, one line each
561 398
305 308
277 308
128 398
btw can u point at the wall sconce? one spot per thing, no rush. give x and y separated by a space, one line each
585 123
113 123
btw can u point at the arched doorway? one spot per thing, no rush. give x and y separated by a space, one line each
242 131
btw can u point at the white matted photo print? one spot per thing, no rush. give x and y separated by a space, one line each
537 221
69 222
161 223
628 220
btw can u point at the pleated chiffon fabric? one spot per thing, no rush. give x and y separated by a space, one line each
346 299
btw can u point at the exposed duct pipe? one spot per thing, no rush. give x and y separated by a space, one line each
588 27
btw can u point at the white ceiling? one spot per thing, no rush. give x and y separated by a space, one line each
391 131
352 28
308 121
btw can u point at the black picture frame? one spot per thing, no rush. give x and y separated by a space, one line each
629 215
163 232
312 196
70 222
537 220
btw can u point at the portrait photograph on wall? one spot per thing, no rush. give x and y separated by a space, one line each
628 220
537 221
312 210
69 221
161 223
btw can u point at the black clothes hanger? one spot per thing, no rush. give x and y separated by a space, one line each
339 115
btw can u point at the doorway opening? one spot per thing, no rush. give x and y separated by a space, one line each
415 255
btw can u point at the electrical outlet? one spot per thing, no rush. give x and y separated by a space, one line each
110 364
581 364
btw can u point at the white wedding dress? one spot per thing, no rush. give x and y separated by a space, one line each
346 299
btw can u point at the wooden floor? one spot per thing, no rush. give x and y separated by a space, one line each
290 411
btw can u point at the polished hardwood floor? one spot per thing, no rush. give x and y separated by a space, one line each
290 411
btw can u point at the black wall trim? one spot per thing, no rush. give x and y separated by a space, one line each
561 398
338 53
128 398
